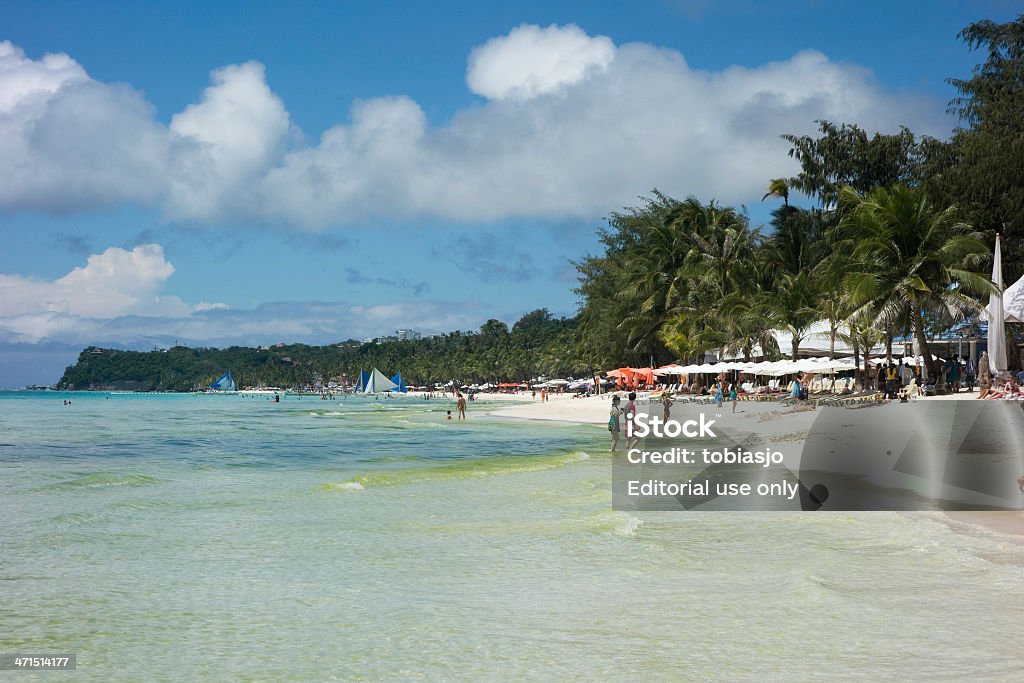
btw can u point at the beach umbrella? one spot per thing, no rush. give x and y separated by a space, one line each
996 330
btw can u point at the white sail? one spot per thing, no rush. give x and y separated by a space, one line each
378 382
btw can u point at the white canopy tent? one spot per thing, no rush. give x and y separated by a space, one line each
765 368
1013 303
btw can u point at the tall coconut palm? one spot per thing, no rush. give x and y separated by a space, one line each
792 306
778 187
906 258
721 260
681 271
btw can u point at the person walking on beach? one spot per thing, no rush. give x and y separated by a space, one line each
732 396
795 390
666 403
906 374
970 374
984 376
613 422
891 379
717 390
460 406
954 374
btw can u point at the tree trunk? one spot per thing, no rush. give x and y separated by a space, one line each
832 344
922 341
796 345
856 356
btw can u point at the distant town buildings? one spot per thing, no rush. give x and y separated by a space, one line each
399 335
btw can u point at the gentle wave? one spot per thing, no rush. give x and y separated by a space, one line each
473 469
101 480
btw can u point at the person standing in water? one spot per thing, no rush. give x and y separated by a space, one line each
460 406
613 422
631 439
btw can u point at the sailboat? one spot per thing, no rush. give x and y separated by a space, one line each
225 383
364 377
377 383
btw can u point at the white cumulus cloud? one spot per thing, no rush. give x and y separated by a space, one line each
113 283
571 125
532 61
110 285
117 298
22 79
226 142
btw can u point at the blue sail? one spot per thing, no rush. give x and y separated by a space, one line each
397 379
225 383
364 377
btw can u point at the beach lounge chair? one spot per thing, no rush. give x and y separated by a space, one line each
911 390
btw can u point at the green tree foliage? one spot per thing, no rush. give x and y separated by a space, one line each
494 328
981 169
542 345
662 286
845 155
603 280
905 261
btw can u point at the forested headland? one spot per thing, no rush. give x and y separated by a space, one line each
538 344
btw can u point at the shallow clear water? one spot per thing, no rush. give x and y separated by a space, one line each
226 538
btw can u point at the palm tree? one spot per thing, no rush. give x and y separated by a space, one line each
778 187
906 259
791 306
681 271
862 335
720 262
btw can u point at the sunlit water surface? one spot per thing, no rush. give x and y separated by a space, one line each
183 537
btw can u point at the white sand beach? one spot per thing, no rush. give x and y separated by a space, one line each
594 410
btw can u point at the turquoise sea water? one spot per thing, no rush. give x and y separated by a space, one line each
181 537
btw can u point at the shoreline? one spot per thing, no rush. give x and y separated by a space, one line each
1008 524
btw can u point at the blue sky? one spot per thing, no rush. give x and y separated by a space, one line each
247 173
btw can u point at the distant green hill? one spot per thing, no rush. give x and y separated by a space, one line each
537 345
